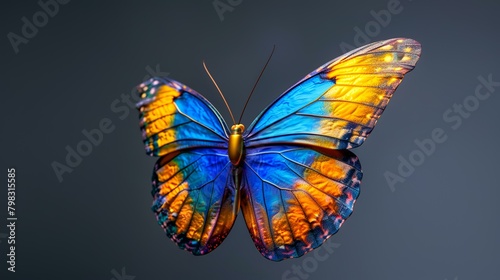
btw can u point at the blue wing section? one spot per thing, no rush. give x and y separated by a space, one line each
337 105
174 117
194 194
194 198
294 198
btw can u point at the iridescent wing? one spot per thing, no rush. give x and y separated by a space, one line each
294 198
174 117
298 186
193 191
194 198
337 105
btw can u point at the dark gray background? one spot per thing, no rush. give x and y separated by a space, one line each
441 223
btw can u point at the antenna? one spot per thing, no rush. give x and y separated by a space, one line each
213 81
256 82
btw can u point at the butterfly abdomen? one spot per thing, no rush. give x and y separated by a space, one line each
235 148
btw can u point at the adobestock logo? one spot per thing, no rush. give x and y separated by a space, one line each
50 8
221 7
92 138
372 28
453 117
310 262
121 276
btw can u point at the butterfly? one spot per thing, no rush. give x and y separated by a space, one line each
290 172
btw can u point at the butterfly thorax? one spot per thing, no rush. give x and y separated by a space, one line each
235 148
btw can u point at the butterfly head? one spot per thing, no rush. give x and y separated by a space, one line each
237 129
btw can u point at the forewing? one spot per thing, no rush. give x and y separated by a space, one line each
295 198
194 198
337 105
174 117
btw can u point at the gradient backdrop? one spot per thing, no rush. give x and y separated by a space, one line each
79 67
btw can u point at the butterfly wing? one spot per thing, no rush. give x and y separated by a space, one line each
294 198
337 105
193 192
194 198
299 186
174 117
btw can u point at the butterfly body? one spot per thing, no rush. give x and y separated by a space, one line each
290 172
236 144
